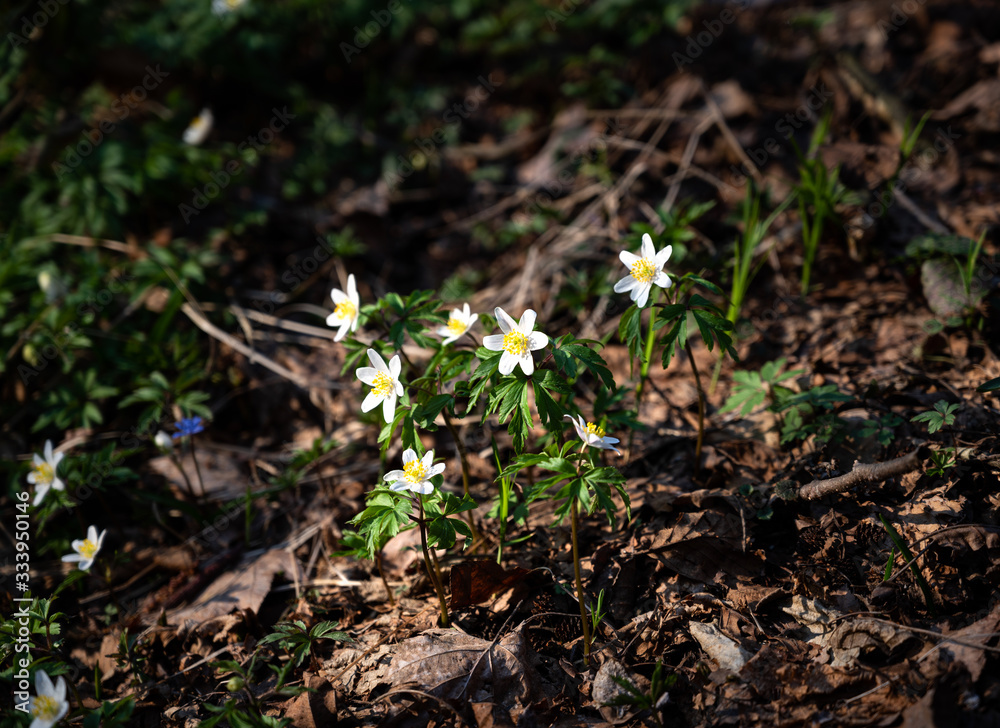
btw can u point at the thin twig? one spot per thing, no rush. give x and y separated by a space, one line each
864 473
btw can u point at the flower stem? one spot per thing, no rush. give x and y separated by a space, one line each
701 408
644 367
187 481
463 457
381 574
575 522
432 574
197 468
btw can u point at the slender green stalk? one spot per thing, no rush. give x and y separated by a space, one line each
187 481
701 408
574 511
647 357
385 582
464 458
197 468
575 524
432 573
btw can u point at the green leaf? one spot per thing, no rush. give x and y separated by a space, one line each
991 386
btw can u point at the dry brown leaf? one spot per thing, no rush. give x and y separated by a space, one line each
223 476
457 667
242 588
726 652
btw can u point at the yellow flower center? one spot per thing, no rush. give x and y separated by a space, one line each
643 270
233 3
515 343
346 310
383 385
45 707
415 471
456 326
44 475
88 548
593 429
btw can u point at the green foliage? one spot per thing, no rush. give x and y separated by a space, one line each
386 514
992 385
882 428
819 192
942 460
745 248
650 700
751 389
111 714
810 413
942 415
296 639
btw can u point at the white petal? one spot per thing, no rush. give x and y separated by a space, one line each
625 284
409 455
43 683
352 289
399 485
92 534
628 258
537 340
527 363
663 256
466 312
342 332
423 488
428 459
40 493
354 324
333 320
505 322
393 475
366 375
435 470
48 450
36 459
662 280
493 342
395 366
527 323
338 296
398 387
32 477
640 294
389 407
377 361
507 363
60 694
58 459
70 558
100 539
648 251
370 402
58 484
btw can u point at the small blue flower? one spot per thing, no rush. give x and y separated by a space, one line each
188 426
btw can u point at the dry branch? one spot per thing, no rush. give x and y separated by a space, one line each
864 473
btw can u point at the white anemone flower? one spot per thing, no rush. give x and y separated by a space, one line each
86 550
416 473
644 271
459 323
163 441
199 128
384 381
516 342
43 473
345 313
222 7
592 434
50 704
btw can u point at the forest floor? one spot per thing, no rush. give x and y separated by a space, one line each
764 609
